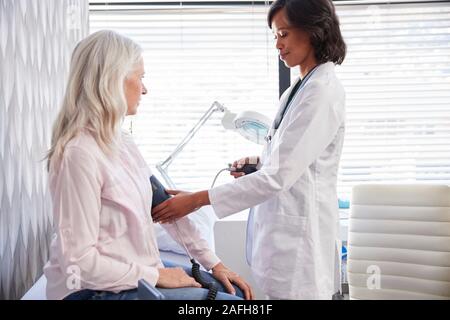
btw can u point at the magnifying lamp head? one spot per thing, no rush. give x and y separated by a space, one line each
250 124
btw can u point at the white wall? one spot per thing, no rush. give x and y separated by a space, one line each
230 241
36 41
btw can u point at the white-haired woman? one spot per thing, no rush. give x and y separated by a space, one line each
104 240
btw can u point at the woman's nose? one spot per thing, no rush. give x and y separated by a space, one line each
144 89
278 44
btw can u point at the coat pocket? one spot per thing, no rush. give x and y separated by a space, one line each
280 241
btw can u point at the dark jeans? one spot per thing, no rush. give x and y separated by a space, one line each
188 293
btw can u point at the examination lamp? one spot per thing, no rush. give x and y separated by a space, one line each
251 125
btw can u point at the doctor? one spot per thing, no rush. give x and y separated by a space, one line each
293 227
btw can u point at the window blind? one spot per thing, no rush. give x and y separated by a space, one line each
396 76
397 81
195 55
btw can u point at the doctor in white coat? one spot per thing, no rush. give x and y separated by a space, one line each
293 226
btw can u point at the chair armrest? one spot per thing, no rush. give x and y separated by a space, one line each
148 292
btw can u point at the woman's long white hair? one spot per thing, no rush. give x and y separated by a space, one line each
94 97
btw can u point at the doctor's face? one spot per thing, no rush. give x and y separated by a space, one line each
293 44
134 88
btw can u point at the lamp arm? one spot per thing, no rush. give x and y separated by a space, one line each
162 166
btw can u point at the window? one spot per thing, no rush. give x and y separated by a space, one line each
397 81
194 55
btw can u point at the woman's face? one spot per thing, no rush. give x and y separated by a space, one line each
134 87
293 44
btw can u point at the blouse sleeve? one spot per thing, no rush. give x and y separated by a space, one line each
184 231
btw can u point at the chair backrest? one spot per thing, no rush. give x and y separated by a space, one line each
399 242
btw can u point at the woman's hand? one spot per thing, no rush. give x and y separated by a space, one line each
227 277
238 164
175 278
182 204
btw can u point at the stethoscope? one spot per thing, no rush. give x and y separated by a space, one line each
280 116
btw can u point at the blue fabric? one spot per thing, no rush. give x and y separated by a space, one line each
170 294
343 204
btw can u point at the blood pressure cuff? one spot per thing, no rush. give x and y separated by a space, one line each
159 192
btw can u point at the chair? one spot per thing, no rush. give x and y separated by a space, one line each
148 292
399 242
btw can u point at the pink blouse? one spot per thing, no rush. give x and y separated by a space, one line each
104 236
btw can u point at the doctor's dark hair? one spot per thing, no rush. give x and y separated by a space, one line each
318 18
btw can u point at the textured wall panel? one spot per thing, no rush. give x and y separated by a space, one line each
36 41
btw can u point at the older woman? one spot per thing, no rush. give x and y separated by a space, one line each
105 240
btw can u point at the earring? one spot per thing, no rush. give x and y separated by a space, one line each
131 126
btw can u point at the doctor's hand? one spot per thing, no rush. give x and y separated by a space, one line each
227 277
238 164
180 205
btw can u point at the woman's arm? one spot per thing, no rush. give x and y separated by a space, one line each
185 232
188 235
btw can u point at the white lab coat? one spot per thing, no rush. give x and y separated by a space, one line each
295 232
